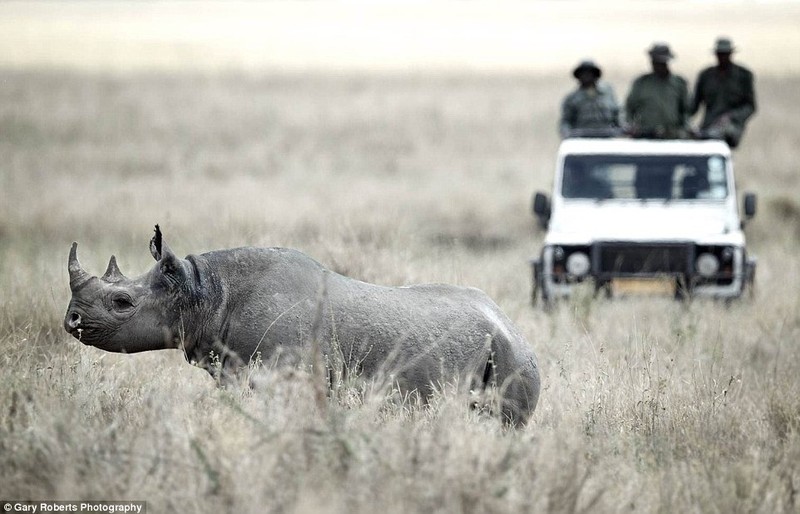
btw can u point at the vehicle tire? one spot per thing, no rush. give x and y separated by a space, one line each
536 281
682 291
603 289
547 300
750 279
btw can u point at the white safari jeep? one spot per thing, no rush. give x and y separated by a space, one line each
643 216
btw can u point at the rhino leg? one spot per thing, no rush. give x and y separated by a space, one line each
225 366
513 371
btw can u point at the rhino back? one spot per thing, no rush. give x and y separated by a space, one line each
275 299
429 334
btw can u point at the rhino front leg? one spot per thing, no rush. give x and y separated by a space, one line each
224 365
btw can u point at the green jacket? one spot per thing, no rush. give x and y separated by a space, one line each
658 107
729 93
582 109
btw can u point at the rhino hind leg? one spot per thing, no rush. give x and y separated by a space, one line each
520 393
514 376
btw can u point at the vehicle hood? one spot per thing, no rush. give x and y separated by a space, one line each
583 222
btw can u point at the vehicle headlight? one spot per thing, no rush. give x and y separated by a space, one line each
707 265
727 254
578 264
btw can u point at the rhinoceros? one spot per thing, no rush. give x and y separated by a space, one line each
229 307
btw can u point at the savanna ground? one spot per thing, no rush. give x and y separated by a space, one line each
647 404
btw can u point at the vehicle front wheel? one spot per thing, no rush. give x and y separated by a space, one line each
538 291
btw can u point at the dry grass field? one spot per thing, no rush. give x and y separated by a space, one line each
648 405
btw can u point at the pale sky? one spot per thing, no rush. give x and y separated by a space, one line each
540 36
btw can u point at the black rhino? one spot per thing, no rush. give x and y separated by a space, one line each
272 303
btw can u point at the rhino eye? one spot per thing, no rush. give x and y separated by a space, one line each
121 303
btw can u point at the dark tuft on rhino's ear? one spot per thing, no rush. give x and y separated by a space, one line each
155 244
169 264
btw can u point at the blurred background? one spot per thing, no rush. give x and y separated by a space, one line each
396 36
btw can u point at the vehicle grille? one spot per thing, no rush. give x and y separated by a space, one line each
643 259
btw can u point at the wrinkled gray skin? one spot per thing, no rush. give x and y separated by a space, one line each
273 302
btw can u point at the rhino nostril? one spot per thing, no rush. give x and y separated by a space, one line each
74 320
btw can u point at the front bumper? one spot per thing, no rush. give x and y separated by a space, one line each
611 262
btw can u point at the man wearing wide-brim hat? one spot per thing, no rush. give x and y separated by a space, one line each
727 93
592 108
658 103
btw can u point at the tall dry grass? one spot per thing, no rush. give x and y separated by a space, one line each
647 404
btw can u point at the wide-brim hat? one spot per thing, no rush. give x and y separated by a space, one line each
660 52
724 45
587 64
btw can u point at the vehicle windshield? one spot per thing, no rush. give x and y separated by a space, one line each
664 177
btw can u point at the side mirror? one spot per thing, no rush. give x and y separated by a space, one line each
750 202
541 208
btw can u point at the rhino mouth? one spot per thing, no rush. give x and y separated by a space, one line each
80 333
78 328
91 338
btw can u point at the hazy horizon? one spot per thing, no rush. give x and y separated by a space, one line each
530 37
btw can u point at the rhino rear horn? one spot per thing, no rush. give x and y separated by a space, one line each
77 275
113 274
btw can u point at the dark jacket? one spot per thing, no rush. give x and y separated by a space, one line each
658 106
730 93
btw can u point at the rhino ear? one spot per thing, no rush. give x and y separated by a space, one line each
168 263
171 266
156 244
158 248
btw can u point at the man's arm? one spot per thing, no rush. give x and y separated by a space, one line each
632 106
748 107
569 114
697 97
613 105
684 106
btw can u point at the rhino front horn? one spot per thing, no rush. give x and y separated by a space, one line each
77 275
113 274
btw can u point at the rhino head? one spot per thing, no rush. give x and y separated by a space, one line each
118 314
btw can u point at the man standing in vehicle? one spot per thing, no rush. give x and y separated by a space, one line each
657 106
591 109
726 90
